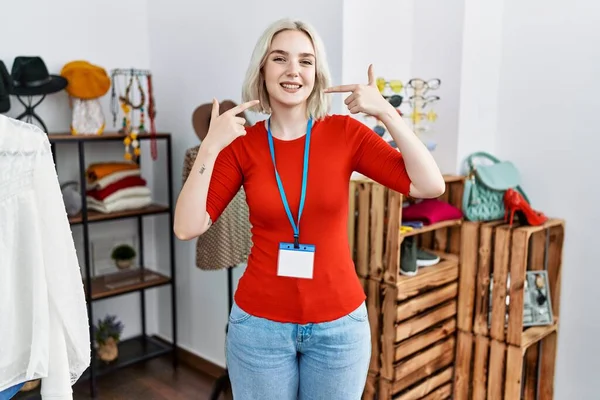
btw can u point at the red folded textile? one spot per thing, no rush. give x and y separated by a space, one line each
127 182
430 211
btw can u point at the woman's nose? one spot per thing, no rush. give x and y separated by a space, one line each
292 69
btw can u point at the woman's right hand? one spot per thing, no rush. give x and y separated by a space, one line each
227 127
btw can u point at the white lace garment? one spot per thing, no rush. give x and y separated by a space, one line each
44 326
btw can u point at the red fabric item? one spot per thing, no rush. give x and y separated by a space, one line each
127 182
430 211
339 145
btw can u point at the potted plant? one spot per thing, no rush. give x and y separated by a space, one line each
123 256
107 335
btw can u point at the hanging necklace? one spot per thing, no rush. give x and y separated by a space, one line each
127 105
151 116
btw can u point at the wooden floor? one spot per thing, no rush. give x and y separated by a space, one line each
153 380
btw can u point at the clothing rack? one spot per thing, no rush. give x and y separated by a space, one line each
222 382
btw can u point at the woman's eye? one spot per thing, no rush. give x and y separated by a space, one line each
307 62
278 59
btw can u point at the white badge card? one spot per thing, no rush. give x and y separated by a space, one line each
296 262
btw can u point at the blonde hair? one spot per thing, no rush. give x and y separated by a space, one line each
254 84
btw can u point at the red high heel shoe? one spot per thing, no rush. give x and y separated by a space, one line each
514 202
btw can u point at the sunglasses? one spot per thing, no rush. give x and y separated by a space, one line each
395 100
396 85
417 117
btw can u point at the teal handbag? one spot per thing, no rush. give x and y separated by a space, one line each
483 198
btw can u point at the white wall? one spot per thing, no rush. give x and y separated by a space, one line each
198 52
65 30
547 124
372 35
481 59
381 34
437 43
407 39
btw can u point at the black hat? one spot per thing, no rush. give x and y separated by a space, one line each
31 78
5 88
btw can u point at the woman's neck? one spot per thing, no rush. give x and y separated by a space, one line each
288 123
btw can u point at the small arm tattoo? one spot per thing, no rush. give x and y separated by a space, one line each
202 169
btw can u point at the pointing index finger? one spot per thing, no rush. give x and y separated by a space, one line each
341 89
244 106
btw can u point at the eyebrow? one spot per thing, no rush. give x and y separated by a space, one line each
285 53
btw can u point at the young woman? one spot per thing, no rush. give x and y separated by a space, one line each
298 328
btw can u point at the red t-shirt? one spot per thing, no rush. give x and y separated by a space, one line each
339 145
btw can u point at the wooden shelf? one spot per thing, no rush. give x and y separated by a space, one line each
432 227
429 277
67 137
125 282
131 351
95 216
535 334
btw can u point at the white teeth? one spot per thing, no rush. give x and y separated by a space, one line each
287 86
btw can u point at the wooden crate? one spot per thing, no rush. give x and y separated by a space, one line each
374 220
502 254
489 369
498 357
373 292
476 260
443 237
419 322
417 315
366 226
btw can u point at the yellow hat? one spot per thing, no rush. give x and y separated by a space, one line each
86 81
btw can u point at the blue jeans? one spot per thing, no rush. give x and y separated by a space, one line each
270 360
9 393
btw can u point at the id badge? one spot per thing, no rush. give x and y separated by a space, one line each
296 263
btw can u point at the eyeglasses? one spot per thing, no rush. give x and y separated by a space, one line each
423 86
423 101
396 85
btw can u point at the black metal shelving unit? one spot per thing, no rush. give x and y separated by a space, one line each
142 347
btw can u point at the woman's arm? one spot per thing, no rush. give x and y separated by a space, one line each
191 218
191 212
426 178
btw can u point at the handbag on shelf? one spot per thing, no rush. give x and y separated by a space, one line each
483 198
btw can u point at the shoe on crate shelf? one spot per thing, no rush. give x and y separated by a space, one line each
408 257
426 259
412 257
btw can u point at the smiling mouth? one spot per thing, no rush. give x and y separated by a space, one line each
290 86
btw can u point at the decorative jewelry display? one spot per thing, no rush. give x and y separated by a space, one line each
132 104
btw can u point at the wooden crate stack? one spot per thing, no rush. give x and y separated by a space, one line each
497 358
366 232
413 319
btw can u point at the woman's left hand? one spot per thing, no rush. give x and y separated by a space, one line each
364 98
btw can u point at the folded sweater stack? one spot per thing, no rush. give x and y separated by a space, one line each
116 186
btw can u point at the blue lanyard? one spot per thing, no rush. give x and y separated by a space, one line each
304 180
